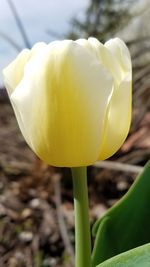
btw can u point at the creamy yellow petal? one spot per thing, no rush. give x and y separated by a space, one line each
115 64
14 72
118 119
83 42
105 57
108 59
64 107
118 48
38 47
13 75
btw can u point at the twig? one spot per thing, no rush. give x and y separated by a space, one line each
113 165
11 41
54 34
138 40
19 23
61 221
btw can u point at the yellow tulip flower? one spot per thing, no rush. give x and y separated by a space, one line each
72 99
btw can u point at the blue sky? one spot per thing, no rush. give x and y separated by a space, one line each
38 18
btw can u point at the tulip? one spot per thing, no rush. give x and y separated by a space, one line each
72 99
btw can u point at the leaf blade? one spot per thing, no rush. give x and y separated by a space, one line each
138 257
127 222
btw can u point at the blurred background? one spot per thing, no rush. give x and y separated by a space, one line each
36 206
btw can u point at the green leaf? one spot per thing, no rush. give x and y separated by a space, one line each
138 257
127 224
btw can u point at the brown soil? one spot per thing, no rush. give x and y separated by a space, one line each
30 233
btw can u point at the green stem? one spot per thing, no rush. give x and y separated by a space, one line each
82 225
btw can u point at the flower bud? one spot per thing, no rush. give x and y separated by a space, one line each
72 99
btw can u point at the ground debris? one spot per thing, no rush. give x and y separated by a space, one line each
30 234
